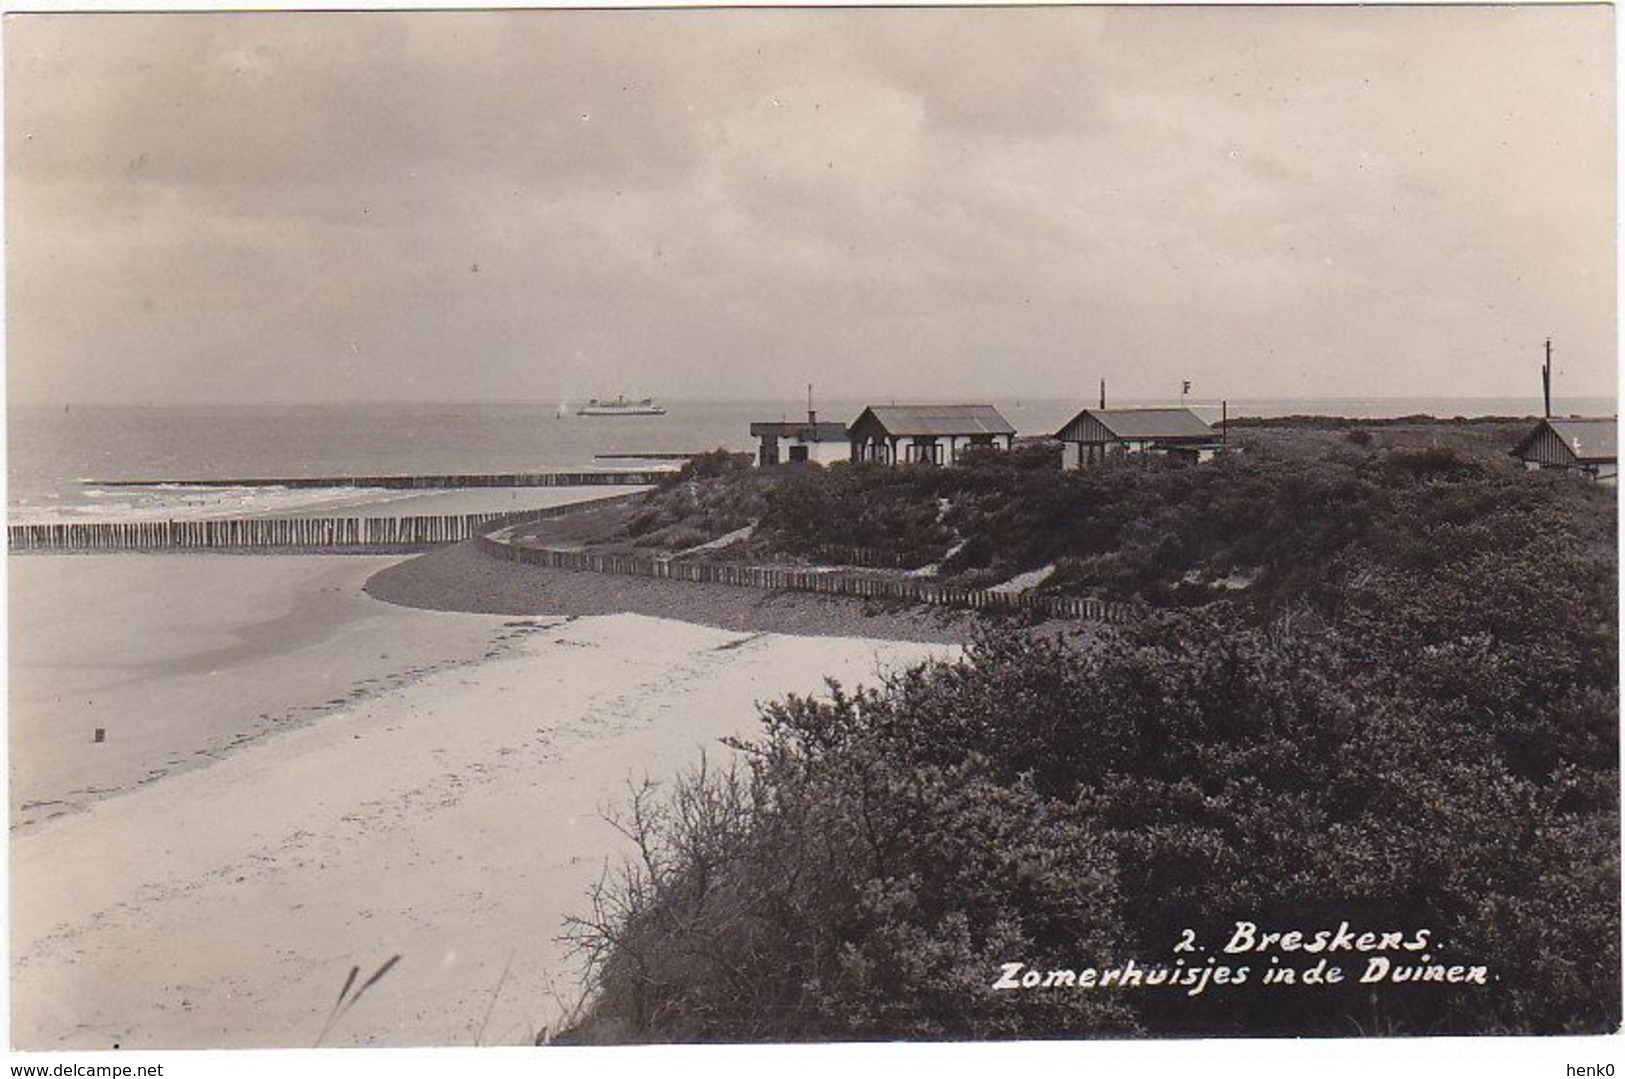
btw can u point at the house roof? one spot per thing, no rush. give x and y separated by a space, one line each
1147 423
800 429
1592 439
924 421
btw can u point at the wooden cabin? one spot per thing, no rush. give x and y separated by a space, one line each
1586 444
800 440
926 434
1095 434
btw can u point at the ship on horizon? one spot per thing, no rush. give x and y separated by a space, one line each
621 407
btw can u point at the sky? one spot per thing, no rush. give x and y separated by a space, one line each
910 204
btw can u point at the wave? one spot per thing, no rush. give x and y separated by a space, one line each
175 502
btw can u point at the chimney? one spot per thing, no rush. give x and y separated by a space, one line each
812 416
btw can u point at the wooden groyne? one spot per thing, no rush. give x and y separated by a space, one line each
640 477
290 532
286 533
790 578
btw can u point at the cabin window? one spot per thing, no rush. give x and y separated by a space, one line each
798 453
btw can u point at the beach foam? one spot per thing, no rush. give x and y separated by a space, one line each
186 502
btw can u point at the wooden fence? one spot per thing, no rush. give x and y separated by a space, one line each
410 533
800 580
258 533
846 555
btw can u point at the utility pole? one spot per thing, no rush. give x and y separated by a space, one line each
1546 378
1102 393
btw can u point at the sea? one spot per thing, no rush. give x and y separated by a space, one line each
60 460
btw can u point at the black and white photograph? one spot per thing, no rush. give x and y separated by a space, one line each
545 528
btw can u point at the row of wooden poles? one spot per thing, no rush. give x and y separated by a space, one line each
318 533
831 584
858 556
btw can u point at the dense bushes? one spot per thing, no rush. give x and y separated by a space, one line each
889 850
834 896
1277 521
710 465
1418 731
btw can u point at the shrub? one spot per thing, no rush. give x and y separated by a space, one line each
890 848
711 465
1408 721
831 895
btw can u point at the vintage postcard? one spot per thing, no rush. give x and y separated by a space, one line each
942 525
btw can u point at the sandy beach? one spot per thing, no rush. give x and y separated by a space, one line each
298 777
462 578
181 658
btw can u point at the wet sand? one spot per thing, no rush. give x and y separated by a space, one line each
181 658
463 578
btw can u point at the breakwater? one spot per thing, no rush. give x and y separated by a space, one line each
625 478
790 578
372 534
642 456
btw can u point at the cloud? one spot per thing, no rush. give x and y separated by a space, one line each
454 204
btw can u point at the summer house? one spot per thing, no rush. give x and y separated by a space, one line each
800 440
1097 433
1587 444
926 434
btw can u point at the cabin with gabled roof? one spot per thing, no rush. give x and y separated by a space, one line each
1095 434
1586 444
926 434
